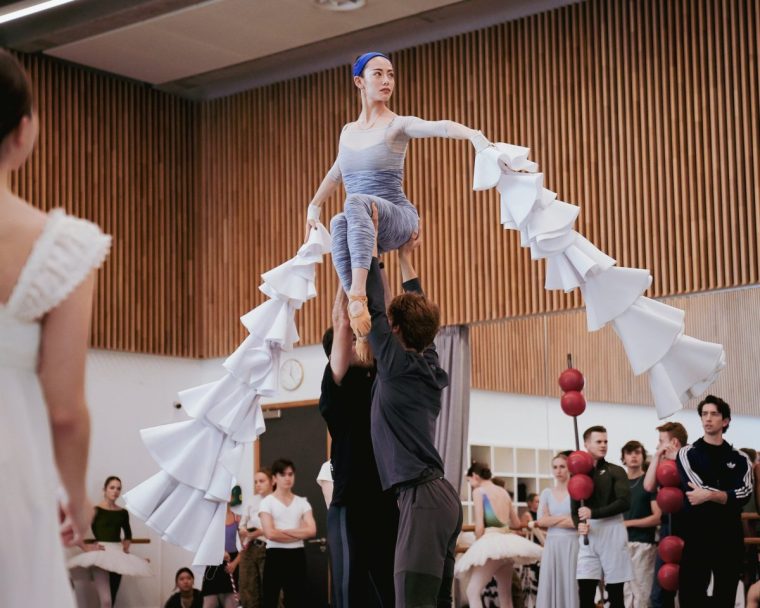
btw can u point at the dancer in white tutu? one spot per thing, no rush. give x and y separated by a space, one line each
496 550
111 529
558 585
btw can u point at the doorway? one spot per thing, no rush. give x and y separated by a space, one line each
297 431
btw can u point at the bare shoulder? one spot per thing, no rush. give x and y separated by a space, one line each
21 219
753 596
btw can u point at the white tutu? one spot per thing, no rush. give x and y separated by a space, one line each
112 559
498 543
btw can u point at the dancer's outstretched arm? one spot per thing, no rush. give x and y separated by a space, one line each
327 188
416 128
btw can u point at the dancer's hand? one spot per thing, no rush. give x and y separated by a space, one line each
584 513
312 219
230 568
414 242
375 222
75 520
583 528
125 545
698 495
340 308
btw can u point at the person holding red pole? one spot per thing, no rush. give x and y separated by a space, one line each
601 518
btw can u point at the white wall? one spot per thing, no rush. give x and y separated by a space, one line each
128 392
523 421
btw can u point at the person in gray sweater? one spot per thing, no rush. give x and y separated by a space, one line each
406 402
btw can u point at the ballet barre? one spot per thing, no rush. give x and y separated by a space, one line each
134 541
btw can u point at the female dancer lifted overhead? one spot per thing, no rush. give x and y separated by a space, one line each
371 165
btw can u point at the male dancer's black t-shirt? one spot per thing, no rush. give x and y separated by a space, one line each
346 409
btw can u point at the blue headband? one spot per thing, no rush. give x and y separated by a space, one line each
363 60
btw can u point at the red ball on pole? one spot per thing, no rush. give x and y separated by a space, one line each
670 500
580 487
667 474
571 380
580 462
668 576
573 403
671 549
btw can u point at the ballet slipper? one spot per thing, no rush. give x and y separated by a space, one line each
363 351
358 315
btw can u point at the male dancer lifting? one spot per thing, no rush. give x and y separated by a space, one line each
406 402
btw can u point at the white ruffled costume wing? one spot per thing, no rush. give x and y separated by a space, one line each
186 501
680 367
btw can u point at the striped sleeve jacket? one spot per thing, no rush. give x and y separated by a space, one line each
717 468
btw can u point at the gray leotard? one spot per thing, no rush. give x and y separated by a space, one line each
371 165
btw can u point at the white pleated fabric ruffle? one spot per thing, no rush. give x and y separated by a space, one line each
680 367
185 502
498 544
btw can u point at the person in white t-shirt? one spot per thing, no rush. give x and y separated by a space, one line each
255 546
287 521
325 481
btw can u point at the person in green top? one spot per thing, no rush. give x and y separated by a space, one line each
641 521
601 519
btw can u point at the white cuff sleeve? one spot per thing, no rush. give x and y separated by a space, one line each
480 142
313 212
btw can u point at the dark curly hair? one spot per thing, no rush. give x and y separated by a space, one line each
723 408
417 318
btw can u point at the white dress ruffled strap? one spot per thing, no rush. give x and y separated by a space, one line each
65 253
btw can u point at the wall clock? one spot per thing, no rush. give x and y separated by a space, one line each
291 374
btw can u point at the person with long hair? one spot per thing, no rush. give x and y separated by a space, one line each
47 280
187 596
370 164
496 550
112 531
558 585
254 543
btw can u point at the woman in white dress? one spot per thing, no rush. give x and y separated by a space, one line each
496 550
46 290
557 585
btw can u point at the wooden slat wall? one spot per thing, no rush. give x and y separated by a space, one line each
119 154
643 112
527 355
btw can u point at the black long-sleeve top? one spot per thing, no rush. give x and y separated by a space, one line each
107 525
612 494
406 398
